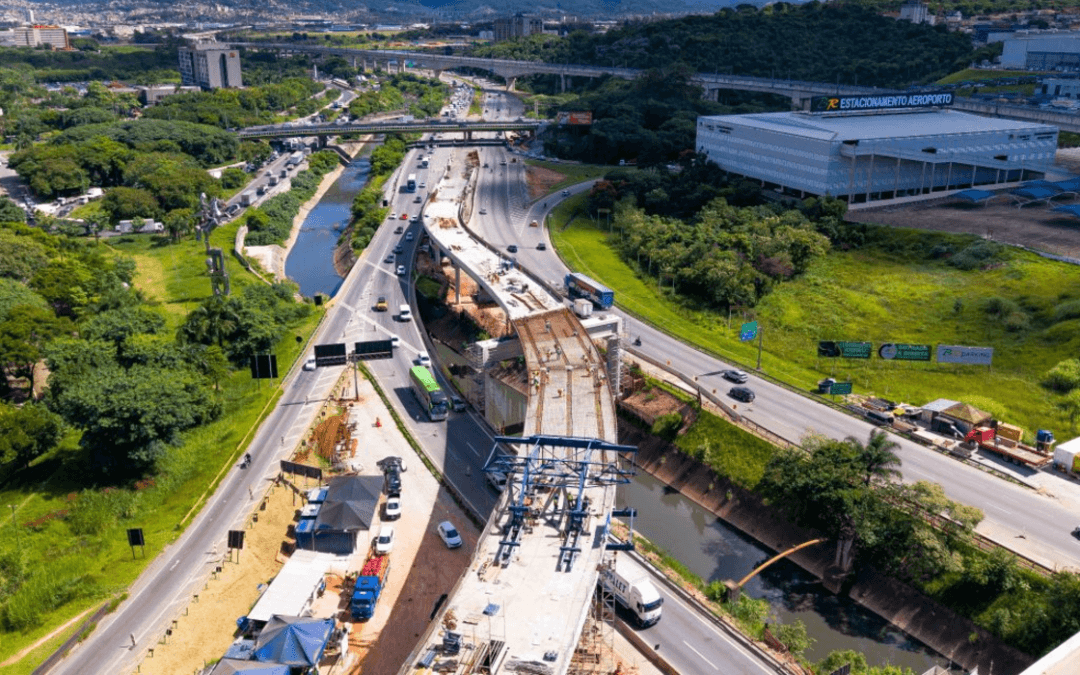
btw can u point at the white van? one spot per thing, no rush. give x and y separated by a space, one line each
497 480
404 313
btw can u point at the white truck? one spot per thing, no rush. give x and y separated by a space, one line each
634 590
246 198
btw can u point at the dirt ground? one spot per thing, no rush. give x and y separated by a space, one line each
541 180
208 627
1037 227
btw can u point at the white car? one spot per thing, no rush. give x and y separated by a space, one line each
395 341
384 543
401 270
309 364
483 211
449 534
393 509
422 359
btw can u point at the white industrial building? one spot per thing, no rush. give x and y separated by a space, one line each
210 66
54 37
868 156
1041 50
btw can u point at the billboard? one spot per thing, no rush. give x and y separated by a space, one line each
973 356
848 350
330 355
748 331
576 118
902 352
264 367
840 388
880 102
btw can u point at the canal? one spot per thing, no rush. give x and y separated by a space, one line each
715 551
310 262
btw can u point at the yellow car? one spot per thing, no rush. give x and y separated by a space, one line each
380 305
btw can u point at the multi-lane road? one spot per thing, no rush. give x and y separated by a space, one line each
460 445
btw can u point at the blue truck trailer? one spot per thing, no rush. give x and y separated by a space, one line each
580 286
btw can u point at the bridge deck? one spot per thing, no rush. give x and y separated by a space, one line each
524 612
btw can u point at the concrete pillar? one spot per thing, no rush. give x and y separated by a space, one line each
562 84
457 285
510 82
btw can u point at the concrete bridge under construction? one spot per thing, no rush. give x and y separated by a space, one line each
799 92
324 130
529 595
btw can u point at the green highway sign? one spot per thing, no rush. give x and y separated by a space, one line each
840 388
902 352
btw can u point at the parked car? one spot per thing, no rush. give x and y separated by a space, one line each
449 534
384 542
744 394
736 376
392 510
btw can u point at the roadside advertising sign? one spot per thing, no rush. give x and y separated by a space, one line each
748 331
974 356
902 352
847 350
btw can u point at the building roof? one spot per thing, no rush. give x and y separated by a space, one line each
232 666
350 503
937 405
293 640
293 587
875 126
967 413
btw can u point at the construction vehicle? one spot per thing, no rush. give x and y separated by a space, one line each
634 590
1003 440
369 586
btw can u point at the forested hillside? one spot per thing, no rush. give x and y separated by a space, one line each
821 42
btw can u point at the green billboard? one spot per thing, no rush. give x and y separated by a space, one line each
901 352
840 388
848 350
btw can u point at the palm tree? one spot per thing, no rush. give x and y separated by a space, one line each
878 458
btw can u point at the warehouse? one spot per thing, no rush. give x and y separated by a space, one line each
875 148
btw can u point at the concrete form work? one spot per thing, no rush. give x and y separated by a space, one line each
523 604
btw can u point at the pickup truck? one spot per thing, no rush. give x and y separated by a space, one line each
369 586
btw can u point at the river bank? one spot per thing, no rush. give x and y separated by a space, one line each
272 257
939 628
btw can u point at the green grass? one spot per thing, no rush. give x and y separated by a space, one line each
573 173
474 102
875 295
174 278
428 287
974 75
726 448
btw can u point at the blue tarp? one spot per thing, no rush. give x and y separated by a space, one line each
293 640
231 666
1072 209
974 195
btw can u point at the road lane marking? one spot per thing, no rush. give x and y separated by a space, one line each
700 655
709 627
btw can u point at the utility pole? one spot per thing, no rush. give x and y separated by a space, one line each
759 332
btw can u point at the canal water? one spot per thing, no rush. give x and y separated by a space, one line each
310 262
715 551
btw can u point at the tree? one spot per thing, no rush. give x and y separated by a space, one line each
179 222
27 432
23 334
876 459
10 212
130 416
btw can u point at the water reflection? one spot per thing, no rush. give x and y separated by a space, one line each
310 262
715 551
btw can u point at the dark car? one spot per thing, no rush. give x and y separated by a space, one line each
399 229
398 250
512 248
736 376
541 246
1076 533
744 394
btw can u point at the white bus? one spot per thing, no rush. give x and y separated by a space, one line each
410 184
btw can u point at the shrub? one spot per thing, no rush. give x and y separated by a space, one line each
51 586
1064 377
1067 310
794 637
667 426
94 512
977 255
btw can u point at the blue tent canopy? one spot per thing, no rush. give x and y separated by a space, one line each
293 640
1069 185
1030 194
233 666
1053 187
974 196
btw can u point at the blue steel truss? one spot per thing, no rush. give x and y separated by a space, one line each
554 471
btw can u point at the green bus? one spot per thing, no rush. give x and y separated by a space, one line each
428 393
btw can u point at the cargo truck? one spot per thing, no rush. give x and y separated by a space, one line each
634 590
369 586
1010 449
580 286
246 198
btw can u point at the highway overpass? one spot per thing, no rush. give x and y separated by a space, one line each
798 92
466 128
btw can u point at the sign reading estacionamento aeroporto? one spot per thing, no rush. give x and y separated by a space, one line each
882 102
